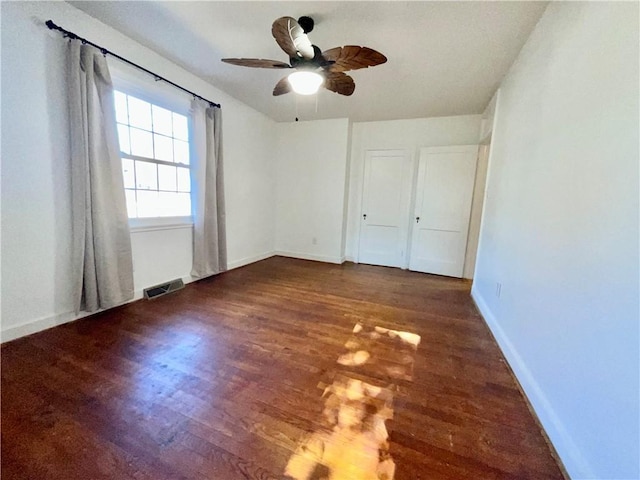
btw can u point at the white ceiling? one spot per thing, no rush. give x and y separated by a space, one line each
444 58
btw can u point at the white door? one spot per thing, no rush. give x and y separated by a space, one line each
443 205
384 218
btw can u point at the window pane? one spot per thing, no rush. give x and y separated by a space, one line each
180 127
128 174
184 180
123 136
131 203
147 204
139 113
163 147
167 178
146 176
121 107
183 205
141 143
166 201
155 133
162 120
174 204
180 152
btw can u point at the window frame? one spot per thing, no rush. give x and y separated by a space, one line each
144 88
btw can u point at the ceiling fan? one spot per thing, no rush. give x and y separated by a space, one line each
313 68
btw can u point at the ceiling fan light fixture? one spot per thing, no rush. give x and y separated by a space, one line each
305 82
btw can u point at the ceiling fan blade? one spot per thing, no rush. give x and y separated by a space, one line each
282 87
352 57
291 38
339 82
256 63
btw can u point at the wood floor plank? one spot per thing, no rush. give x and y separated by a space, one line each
224 379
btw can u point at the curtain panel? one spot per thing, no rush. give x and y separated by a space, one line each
101 242
209 232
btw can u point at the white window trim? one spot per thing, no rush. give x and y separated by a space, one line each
143 87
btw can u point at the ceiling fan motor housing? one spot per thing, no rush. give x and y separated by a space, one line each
317 61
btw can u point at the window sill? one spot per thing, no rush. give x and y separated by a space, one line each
137 225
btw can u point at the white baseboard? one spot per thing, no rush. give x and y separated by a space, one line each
307 256
574 462
247 260
35 326
38 325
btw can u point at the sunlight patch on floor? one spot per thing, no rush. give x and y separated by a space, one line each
353 445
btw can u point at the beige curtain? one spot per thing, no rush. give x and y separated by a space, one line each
209 235
102 260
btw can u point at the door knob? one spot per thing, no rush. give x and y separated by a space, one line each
417 219
364 217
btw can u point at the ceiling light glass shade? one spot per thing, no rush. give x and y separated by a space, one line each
305 83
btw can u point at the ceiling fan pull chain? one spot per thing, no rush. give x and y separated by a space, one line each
296 97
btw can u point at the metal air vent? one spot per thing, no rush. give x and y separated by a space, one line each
163 289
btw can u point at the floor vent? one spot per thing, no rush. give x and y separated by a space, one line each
163 289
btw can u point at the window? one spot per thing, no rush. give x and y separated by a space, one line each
154 147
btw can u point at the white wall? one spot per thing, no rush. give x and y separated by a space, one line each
399 134
560 233
35 179
311 175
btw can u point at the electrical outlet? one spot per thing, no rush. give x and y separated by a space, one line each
498 289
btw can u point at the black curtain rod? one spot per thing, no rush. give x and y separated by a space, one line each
67 33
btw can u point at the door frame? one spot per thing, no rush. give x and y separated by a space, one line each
408 154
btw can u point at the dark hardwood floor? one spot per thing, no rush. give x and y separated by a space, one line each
223 380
